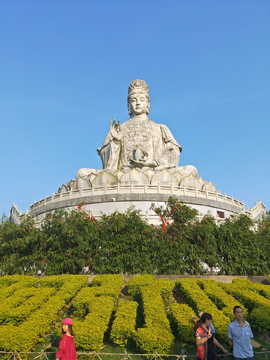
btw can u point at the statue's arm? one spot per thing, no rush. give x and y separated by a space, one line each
168 137
105 143
171 155
114 134
110 149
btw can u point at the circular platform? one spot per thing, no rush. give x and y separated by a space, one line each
107 199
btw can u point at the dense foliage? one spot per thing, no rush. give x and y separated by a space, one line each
143 312
73 242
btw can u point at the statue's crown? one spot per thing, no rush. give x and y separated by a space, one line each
136 85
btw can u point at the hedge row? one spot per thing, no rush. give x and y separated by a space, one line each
263 290
12 279
223 301
124 323
41 301
101 285
182 317
12 302
136 283
163 286
25 336
19 314
199 301
90 331
156 335
107 285
99 300
258 306
54 281
17 282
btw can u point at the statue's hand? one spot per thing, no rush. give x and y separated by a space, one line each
115 130
142 163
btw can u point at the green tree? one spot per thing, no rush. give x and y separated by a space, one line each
126 244
178 251
17 246
66 241
206 235
263 243
237 246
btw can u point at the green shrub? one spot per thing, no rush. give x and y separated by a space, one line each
223 301
253 301
156 335
25 336
262 289
99 299
124 323
90 331
182 316
199 301
136 282
154 339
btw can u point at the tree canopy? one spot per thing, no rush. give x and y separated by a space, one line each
73 242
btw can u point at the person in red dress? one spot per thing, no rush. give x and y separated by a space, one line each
66 349
206 343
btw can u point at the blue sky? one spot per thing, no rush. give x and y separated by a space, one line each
65 67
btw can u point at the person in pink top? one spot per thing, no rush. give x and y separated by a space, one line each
66 349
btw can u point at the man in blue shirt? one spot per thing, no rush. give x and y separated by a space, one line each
239 334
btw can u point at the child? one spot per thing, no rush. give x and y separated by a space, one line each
66 350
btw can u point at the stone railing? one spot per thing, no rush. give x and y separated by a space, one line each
181 191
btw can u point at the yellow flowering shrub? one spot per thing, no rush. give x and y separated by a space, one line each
16 282
260 318
262 289
27 334
89 332
10 279
101 285
223 301
55 281
135 284
18 314
163 286
182 316
29 307
124 323
156 335
10 303
154 339
258 305
199 301
82 300
99 299
107 285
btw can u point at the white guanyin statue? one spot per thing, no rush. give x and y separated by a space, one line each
137 151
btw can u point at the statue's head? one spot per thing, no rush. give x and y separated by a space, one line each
138 88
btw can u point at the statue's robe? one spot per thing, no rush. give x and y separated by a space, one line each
154 142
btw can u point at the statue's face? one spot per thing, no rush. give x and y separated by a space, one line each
138 104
